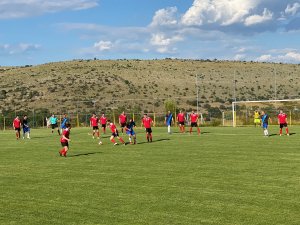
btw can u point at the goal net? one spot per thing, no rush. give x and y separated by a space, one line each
243 112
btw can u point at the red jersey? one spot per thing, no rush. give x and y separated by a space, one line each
103 120
94 121
122 118
113 127
147 122
17 123
65 133
180 117
194 117
282 118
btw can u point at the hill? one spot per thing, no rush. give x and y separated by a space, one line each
96 85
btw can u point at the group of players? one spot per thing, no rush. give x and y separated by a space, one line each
126 126
263 119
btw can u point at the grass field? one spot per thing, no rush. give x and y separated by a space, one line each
225 176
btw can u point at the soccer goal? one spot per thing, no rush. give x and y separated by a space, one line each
243 112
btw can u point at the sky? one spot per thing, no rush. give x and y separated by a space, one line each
37 31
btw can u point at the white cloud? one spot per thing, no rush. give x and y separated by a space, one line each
290 57
21 48
264 58
27 8
223 12
165 17
292 8
239 57
256 19
103 45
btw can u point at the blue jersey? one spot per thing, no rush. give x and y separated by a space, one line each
169 118
265 119
130 127
63 123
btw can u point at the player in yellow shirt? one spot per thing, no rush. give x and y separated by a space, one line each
256 118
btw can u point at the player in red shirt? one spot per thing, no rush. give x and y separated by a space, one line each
17 126
194 122
103 121
282 121
114 133
181 121
122 121
147 121
64 140
94 123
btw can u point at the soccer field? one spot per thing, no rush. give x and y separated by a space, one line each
225 176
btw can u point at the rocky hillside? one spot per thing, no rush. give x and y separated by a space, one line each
95 85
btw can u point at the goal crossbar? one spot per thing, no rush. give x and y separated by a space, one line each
258 101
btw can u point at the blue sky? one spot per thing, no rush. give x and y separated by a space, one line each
36 31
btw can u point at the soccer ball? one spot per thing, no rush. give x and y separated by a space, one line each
100 143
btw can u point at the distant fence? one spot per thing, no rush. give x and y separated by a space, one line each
244 117
83 120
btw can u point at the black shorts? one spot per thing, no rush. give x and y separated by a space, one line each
53 126
283 125
95 128
148 130
123 124
115 134
64 144
18 129
194 124
181 123
104 125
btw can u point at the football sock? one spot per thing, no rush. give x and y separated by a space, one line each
121 139
150 137
198 130
113 141
169 129
280 131
147 136
190 130
287 130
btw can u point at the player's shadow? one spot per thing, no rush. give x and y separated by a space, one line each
270 135
84 154
158 140
292 134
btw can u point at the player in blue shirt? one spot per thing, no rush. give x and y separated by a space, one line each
130 132
265 122
64 121
168 121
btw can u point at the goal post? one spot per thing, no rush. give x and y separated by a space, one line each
289 109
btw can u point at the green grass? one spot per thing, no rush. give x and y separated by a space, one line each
225 176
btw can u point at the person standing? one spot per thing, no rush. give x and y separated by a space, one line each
17 126
256 118
147 121
94 121
115 133
282 121
103 121
64 140
26 129
122 121
181 121
168 121
265 119
53 122
194 117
